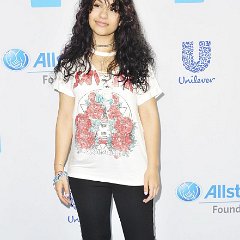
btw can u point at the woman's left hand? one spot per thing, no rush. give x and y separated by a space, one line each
151 183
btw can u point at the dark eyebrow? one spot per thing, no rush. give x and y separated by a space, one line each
103 1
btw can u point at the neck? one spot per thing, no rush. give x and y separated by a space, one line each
103 40
104 54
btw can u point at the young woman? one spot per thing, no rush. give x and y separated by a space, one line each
108 118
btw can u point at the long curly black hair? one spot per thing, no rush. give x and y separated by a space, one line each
134 55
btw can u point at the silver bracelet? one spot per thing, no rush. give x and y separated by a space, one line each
59 175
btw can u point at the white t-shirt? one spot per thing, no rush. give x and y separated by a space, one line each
108 141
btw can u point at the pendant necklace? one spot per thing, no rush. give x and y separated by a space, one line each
105 77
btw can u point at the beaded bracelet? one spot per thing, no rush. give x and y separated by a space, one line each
59 175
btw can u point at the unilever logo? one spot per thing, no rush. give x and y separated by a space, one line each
196 66
72 219
204 56
15 59
188 191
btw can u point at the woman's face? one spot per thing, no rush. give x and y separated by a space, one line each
103 20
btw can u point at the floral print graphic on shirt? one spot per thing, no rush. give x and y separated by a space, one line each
104 124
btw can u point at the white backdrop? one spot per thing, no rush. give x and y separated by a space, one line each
200 154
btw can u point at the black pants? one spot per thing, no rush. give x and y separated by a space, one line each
93 203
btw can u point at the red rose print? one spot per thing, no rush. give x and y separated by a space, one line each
83 122
105 124
114 112
121 141
85 140
94 110
124 125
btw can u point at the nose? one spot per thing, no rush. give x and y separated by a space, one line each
104 13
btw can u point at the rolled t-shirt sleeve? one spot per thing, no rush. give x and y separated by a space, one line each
154 89
61 86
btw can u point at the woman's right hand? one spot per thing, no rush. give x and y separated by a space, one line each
63 190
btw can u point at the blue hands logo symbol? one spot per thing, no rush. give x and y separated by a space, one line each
15 59
204 56
188 191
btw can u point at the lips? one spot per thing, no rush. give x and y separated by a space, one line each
101 24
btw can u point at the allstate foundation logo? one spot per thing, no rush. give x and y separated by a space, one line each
196 66
15 59
204 56
223 199
188 191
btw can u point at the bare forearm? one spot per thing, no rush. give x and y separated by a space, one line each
151 125
63 137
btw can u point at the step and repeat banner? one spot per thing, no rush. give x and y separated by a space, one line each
197 46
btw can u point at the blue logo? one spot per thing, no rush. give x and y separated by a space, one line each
72 204
216 196
203 62
46 3
189 1
15 59
188 191
72 219
222 191
204 56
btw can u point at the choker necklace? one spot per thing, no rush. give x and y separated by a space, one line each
104 54
103 45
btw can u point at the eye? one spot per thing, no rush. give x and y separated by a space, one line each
96 5
114 9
